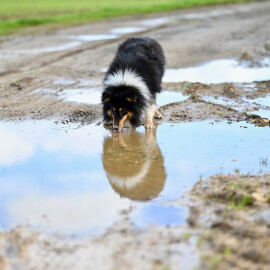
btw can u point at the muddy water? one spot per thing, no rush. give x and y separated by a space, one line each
87 96
93 37
220 71
93 96
261 105
264 105
80 179
58 48
264 101
166 97
127 30
263 113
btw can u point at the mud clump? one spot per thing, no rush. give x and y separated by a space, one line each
80 116
229 91
21 83
157 248
19 103
257 120
236 219
267 45
196 109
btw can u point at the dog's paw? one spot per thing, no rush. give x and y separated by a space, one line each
158 116
149 126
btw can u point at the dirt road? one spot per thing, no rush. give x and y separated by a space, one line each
30 65
38 74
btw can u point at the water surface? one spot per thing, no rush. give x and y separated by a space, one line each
218 71
127 30
93 96
79 179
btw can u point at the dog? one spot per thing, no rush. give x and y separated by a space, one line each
145 177
131 83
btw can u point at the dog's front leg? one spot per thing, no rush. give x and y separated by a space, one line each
157 115
149 116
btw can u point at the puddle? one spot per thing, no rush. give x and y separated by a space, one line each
81 82
93 82
251 87
64 82
51 178
155 22
263 101
79 39
205 15
166 97
221 101
59 48
263 113
93 96
193 16
78 180
241 105
218 71
154 214
87 96
127 30
47 90
93 37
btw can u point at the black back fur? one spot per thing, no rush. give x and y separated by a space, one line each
145 57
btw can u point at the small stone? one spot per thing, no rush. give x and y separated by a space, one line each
265 120
258 197
267 45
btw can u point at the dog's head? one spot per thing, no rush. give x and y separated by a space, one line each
121 104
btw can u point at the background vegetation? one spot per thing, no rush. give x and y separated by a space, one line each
17 14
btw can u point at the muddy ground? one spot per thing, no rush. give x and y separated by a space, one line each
187 42
229 215
236 218
229 228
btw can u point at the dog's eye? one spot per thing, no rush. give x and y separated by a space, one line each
110 113
123 112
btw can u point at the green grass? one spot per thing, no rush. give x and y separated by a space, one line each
246 200
268 199
214 262
17 14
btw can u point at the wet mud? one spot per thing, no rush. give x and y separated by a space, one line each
237 224
129 191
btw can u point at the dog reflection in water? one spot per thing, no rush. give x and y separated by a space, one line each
134 164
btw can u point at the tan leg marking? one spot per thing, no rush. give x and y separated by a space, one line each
157 114
149 117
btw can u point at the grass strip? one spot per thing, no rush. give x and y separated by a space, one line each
15 14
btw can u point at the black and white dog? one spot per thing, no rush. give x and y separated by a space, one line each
132 82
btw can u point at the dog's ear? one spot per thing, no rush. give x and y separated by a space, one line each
131 99
105 97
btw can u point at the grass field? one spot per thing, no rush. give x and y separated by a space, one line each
17 14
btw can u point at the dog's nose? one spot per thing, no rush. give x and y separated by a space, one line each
115 128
